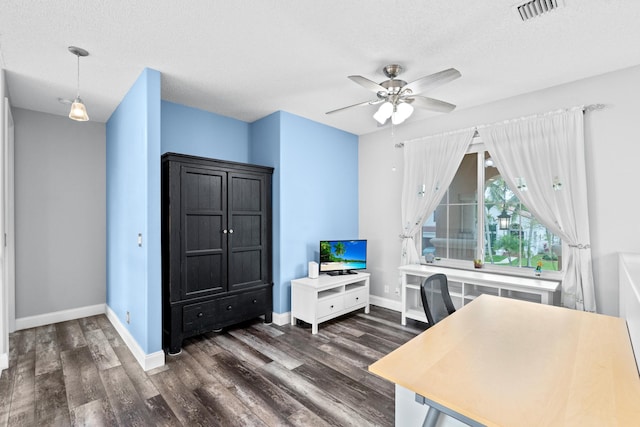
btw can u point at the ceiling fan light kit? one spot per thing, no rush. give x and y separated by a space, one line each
78 110
397 96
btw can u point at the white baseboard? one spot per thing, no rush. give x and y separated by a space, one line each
385 303
146 361
58 316
4 361
282 319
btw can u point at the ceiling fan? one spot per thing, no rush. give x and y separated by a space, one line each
398 97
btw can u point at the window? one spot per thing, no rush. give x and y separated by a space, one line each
465 225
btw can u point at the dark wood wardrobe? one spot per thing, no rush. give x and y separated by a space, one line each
216 246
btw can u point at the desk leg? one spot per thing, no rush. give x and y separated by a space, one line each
403 289
544 298
431 418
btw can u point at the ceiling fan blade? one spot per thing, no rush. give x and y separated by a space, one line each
368 84
431 104
361 104
433 80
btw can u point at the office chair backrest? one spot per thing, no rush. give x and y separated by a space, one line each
436 300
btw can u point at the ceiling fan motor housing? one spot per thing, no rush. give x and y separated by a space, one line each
392 70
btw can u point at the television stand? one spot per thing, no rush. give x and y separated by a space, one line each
317 300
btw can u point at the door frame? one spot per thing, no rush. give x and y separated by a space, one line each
7 236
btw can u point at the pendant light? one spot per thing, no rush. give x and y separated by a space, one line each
78 110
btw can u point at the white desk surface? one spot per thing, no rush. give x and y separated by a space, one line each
481 275
505 362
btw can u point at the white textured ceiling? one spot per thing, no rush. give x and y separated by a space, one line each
248 58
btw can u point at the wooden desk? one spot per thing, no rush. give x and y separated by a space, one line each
504 362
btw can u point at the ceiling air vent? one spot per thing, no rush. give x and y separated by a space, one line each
534 8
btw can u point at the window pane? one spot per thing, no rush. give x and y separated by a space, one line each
455 221
524 241
462 231
428 233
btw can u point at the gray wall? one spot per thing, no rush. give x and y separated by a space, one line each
612 153
60 213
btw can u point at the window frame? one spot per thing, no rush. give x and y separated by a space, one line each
478 147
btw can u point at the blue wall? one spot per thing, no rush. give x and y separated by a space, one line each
265 144
315 192
133 206
187 130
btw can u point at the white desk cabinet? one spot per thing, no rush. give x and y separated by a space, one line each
466 285
317 300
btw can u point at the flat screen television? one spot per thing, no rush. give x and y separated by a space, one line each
342 256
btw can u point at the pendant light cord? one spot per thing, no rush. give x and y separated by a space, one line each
78 74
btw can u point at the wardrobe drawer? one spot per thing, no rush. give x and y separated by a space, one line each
228 309
198 316
255 303
243 306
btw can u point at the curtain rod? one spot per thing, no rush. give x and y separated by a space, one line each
585 108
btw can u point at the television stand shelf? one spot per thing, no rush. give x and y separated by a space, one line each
317 300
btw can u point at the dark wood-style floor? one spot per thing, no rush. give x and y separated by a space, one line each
80 373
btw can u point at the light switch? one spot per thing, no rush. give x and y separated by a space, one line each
140 239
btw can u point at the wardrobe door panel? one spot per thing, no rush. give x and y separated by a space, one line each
203 231
247 218
245 269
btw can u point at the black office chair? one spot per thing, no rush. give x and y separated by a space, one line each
436 300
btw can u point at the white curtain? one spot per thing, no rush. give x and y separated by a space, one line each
542 161
430 164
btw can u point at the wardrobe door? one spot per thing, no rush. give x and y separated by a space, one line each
248 222
203 231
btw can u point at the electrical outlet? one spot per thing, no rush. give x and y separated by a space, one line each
128 317
386 289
